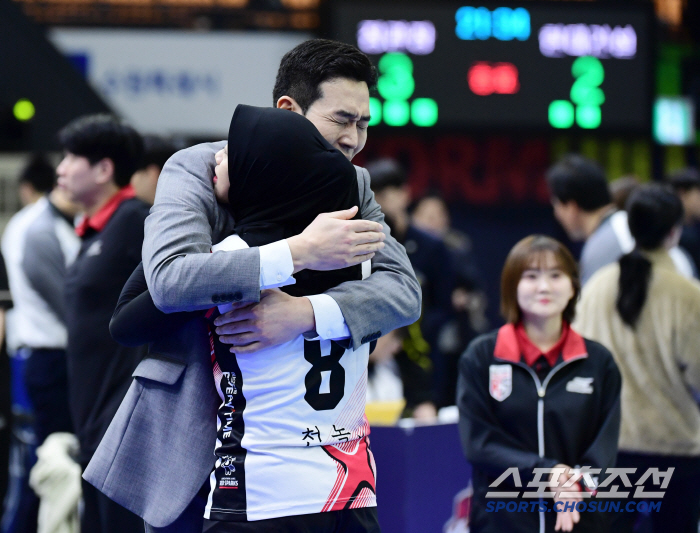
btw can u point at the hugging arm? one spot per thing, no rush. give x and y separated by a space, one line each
391 296
137 320
181 271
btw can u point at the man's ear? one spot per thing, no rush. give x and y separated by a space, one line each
289 103
105 170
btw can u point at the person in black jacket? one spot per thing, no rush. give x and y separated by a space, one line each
535 394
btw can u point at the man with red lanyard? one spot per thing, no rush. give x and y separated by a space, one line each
101 154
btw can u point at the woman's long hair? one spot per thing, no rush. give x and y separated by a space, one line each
652 212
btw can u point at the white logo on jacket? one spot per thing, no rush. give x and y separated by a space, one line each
95 249
580 385
501 381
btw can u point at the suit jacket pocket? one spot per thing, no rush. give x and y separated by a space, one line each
160 369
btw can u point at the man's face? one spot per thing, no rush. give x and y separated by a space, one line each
79 179
567 213
341 115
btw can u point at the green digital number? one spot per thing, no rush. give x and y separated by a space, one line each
396 81
396 85
586 94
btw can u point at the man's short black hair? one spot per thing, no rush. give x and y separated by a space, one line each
579 179
39 173
101 136
685 179
157 150
385 173
309 64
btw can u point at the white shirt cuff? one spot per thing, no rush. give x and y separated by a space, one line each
330 323
276 265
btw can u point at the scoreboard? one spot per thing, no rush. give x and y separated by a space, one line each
557 66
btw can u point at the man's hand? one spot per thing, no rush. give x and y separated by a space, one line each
333 241
276 319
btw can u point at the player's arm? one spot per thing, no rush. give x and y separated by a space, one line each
136 319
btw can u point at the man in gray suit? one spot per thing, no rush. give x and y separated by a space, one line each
158 453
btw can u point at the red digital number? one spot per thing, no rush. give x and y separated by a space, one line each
493 78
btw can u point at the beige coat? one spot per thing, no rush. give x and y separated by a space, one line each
659 359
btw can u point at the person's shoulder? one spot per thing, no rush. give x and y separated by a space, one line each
362 173
363 180
603 244
596 350
197 150
600 357
132 209
480 350
605 274
41 230
195 155
676 287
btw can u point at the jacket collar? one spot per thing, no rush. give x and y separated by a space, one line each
508 349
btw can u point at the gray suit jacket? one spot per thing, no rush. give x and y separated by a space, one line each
158 451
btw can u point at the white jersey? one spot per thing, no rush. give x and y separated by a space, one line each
291 431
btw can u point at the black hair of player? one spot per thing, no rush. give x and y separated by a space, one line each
39 173
580 179
305 67
101 136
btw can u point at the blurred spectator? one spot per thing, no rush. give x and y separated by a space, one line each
5 400
156 151
686 183
432 215
468 299
523 401
36 179
101 155
621 189
40 251
583 206
30 325
393 376
431 262
647 314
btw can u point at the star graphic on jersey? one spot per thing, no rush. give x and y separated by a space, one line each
357 474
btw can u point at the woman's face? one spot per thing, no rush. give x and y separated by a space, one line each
544 289
221 182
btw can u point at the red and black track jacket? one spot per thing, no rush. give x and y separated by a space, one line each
509 417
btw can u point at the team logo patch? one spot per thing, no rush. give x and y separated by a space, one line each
580 385
501 381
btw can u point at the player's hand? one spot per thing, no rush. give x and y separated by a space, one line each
334 241
276 319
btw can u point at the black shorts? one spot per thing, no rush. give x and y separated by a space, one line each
362 520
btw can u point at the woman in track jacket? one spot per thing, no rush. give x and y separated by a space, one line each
535 394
